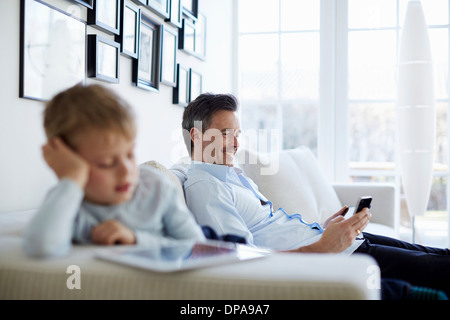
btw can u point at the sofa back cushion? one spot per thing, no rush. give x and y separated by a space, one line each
170 174
293 180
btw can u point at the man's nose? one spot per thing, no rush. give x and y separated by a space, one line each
232 141
236 142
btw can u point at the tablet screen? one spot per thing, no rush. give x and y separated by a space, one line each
182 256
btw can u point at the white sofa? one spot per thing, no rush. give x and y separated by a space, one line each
293 179
279 276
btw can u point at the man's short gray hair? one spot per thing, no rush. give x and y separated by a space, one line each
202 109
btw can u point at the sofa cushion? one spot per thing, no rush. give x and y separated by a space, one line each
168 173
382 230
297 277
292 179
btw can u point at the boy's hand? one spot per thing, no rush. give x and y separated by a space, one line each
65 162
112 232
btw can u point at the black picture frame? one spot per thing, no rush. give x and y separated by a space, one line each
168 68
129 29
145 72
140 2
187 36
180 93
195 84
200 37
105 16
103 59
176 13
87 3
192 37
52 51
190 8
160 7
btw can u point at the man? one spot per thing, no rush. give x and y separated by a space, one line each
221 196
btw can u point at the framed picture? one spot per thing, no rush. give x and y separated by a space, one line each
195 84
175 18
146 67
200 36
52 51
192 37
181 90
129 29
190 8
169 44
86 3
103 58
187 37
160 7
105 16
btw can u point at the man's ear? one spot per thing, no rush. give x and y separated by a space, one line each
197 146
195 135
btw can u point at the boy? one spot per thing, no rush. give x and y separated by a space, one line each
102 196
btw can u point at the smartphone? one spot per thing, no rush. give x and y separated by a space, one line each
363 202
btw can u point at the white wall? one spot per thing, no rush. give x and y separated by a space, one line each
24 176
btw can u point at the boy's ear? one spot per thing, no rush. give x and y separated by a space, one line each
66 142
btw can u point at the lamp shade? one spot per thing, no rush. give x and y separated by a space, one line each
416 115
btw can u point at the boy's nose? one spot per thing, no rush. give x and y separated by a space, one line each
125 166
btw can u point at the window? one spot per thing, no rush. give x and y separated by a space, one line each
375 24
323 73
279 59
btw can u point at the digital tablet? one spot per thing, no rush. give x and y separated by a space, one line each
182 256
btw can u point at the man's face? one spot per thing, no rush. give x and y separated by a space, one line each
219 143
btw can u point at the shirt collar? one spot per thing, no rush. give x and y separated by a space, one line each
221 172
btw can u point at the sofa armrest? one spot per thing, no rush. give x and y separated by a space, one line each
383 203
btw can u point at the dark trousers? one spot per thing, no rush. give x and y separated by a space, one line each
419 265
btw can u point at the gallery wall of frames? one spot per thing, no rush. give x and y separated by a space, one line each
57 53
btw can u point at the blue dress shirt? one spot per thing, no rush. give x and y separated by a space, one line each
225 199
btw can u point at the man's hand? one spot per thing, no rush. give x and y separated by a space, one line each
339 234
341 212
112 232
65 162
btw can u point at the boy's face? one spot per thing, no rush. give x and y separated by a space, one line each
113 172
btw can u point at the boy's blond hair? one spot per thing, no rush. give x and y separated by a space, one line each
87 107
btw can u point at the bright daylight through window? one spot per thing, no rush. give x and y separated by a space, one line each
283 79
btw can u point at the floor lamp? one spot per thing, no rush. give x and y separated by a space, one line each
416 118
